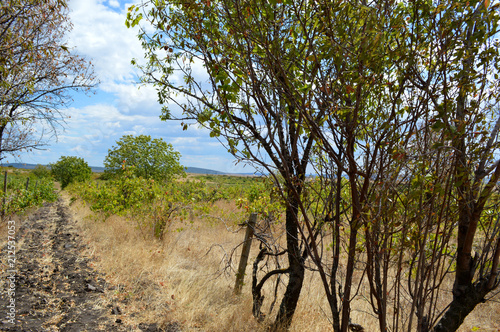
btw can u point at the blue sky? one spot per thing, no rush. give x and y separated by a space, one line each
118 106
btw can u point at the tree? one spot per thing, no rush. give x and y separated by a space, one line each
70 169
242 102
414 129
391 103
272 74
465 99
151 158
37 72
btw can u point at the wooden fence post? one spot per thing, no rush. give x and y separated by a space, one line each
245 252
27 183
4 194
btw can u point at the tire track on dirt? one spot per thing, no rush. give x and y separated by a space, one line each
56 288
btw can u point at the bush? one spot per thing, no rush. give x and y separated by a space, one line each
71 169
41 171
19 197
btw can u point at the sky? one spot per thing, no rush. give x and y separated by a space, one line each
119 105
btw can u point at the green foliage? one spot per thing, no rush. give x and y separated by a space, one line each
123 193
24 192
151 158
154 205
398 98
70 169
260 196
41 171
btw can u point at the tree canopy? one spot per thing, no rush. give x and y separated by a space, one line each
70 169
37 72
151 158
394 105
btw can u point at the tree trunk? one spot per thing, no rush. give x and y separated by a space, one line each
2 129
296 268
346 302
461 306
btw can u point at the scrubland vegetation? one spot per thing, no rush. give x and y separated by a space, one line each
173 249
394 106
25 190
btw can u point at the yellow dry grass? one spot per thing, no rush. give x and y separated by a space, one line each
179 280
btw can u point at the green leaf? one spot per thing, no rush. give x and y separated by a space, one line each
437 125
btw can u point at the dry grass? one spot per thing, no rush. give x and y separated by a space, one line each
179 280
174 280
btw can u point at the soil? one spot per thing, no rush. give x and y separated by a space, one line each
56 288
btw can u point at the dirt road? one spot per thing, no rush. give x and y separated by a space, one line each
51 285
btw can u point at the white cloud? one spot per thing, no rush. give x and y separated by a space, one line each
93 129
197 143
79 150
100 34
133 98
105 115
114 3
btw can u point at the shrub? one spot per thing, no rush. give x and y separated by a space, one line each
19 197
41 171
71 169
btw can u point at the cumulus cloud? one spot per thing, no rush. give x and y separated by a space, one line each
99 33
114 3
133 98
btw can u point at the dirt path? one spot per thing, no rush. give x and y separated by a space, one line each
55 286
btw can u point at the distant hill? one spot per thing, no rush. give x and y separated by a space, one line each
97 169
19 165
32 166
197 170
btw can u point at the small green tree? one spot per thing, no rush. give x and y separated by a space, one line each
71 169
152 158
41 171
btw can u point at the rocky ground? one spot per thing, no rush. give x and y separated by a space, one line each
55 287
